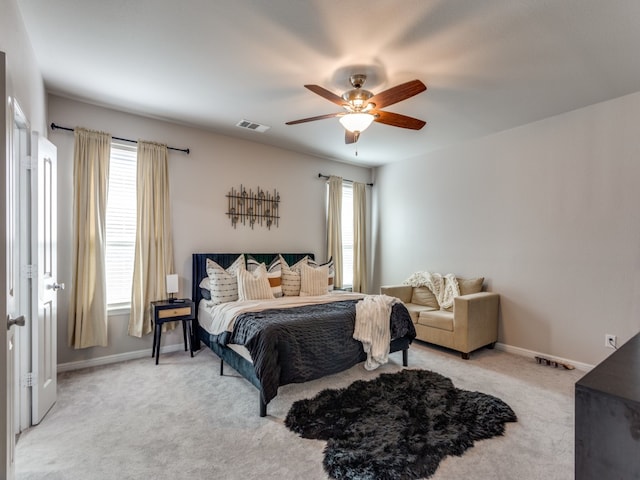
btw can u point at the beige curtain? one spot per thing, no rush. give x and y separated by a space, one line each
334 227
359 237
88 303
154 246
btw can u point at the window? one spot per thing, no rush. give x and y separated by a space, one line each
347 235
120 225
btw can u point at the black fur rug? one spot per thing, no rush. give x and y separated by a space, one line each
398 426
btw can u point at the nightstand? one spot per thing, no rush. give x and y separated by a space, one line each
164 311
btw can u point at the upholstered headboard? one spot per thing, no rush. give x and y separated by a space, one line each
199 265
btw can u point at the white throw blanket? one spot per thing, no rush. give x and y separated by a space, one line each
373 328
444 288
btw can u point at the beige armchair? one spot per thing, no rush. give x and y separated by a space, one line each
472 323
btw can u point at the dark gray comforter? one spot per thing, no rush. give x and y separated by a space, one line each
292 345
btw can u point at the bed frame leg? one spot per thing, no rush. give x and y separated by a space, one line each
405 357
263 408
221 367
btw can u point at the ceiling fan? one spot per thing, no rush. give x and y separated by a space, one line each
363 107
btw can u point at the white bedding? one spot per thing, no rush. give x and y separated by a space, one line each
217 319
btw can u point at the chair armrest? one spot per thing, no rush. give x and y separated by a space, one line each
476 315
403 292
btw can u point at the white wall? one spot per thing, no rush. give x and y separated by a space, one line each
547 213
199 183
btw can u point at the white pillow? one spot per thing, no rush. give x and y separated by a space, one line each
274 273
254 285
291 276
314 281
223 284
332 271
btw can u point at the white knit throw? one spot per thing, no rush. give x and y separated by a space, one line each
444 288
372 328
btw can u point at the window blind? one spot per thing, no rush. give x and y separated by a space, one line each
120 225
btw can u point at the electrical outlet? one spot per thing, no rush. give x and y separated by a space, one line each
610 341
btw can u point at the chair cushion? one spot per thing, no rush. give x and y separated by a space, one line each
424 296
439 319
415 310
470 285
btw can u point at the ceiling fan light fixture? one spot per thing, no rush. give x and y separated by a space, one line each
356 122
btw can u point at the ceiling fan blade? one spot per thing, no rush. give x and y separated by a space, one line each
351 137
311 119
398 93
324 93
397 120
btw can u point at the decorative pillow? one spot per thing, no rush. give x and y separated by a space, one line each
424 296
254 285
291 276
206 294
274 273
332 271
223 284
314 281
470 285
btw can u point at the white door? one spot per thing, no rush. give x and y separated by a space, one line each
7 290
45 286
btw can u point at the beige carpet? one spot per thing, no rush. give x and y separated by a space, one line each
181 420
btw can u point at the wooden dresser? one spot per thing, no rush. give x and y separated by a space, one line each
607 432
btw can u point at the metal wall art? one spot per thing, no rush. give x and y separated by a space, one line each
259 207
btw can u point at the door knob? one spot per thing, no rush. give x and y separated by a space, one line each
15 321
57 286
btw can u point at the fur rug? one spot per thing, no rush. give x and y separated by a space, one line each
398 426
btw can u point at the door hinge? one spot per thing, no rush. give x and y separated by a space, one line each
28 162
28 270
28 380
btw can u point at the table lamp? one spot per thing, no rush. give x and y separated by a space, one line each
172 286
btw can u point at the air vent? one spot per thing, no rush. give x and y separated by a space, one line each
252 126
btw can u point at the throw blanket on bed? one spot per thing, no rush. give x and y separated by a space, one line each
223 316
444 288
293 345
373 329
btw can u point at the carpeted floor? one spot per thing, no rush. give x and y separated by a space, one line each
181 420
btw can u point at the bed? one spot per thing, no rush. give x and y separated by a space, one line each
279 346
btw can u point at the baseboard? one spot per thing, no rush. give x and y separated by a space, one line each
532 354
119 357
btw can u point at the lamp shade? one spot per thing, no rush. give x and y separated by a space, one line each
172 283
356 122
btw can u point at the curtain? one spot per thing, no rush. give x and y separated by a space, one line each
153 259
359 237
334 227
88 303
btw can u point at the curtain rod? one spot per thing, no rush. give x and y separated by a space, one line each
320 175
58 127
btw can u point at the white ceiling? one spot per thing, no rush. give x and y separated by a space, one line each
489 65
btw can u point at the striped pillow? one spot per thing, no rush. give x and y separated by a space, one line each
274 273
332 271
291 276
254 285
223 284
313 280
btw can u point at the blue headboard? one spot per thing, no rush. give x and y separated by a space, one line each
199 266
